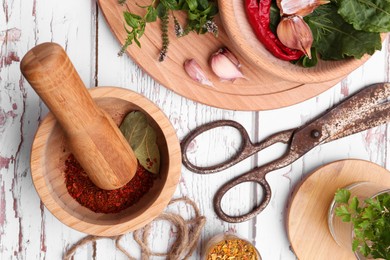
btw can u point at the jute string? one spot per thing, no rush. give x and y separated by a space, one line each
188 232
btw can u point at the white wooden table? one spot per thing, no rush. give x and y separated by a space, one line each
29 231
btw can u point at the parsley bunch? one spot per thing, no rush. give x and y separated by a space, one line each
371 222
200 14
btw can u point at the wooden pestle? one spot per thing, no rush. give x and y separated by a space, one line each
93 137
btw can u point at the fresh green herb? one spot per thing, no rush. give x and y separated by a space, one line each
142 139
343 28
371 222
199 13
335 39
366 15
164 35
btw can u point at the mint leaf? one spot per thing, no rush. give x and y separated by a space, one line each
335 39
151 15
170 4
204 3
132 20
192 4
161 10
366 15
342 196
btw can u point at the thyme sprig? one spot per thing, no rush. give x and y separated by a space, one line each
164 36
200 15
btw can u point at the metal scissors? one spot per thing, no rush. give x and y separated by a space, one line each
368 108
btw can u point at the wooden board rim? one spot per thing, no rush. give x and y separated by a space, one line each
339 175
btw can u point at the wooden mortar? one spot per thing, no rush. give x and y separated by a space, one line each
50 149
92 135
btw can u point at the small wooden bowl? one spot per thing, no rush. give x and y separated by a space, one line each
244 40
49 152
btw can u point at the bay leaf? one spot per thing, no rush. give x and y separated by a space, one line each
142 139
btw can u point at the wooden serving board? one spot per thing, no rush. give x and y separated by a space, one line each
260 90
308 209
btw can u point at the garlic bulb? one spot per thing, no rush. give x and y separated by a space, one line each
196 73
299 7
226 65
294 33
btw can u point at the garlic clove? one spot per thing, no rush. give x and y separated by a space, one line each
294 33
225 51
196 73
299 7
225 65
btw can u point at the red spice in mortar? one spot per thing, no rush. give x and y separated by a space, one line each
82 189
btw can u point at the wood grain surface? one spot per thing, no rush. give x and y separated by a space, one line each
307 217
27 228
260 90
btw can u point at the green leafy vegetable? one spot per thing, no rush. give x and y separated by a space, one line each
142 139
371 222
366 15
336 39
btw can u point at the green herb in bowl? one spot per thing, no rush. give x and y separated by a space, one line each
371 222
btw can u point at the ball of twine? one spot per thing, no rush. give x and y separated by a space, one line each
188 232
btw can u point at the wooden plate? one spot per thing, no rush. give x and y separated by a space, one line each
308 209
261 90
244 40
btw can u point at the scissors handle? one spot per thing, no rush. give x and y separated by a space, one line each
251 176
246 149
241 154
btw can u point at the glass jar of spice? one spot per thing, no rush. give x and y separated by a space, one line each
229 246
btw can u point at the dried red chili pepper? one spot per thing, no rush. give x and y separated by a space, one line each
259 19
82 189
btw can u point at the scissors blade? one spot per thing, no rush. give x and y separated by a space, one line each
354 114
378 116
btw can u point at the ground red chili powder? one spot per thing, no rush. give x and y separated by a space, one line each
82 189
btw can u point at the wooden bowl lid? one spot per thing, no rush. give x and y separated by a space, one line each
308 209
